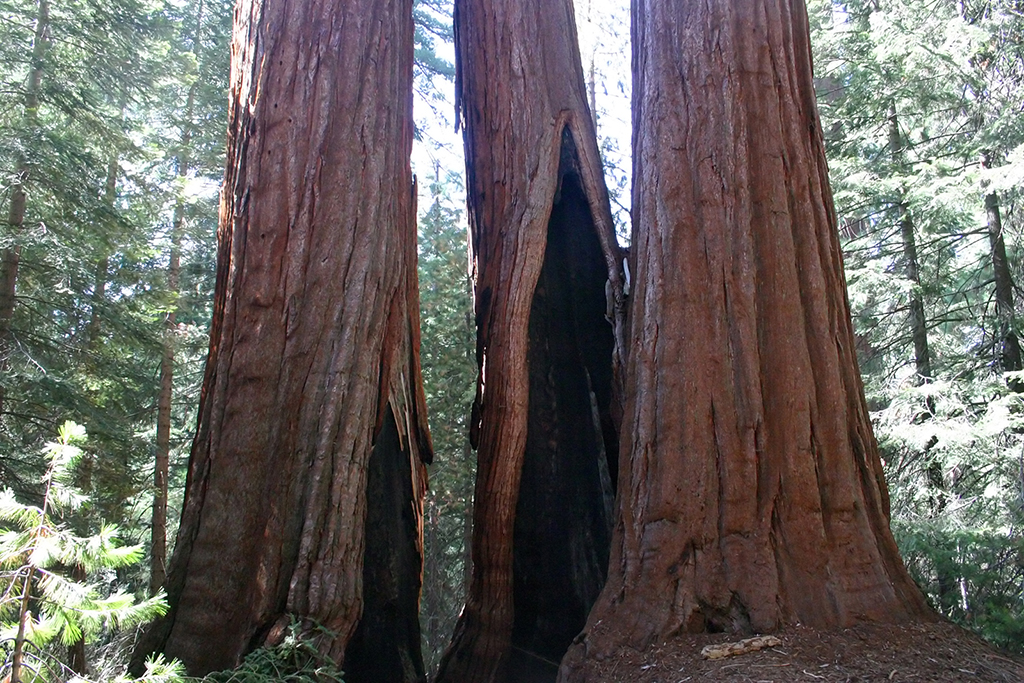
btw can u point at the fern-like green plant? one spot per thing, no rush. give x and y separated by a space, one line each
296 659
39 602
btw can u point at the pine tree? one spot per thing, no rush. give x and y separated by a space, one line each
949 71
42 602
448 377
193 156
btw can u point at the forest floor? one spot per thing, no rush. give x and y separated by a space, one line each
871 652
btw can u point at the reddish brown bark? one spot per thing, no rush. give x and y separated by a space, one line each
753 493
312 391
543 249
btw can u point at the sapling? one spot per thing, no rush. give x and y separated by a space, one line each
39 601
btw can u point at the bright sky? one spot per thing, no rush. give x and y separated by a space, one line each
603 27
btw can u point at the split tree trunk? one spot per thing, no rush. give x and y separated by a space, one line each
751 493
549 309
312 424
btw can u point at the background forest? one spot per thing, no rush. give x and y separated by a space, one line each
112 120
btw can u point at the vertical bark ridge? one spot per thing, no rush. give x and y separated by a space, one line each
742 376
513 136
314 336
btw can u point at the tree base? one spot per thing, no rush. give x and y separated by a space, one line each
930 651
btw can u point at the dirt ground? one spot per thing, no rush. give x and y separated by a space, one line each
872 652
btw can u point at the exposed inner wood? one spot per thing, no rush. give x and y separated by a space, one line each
564 511
385 647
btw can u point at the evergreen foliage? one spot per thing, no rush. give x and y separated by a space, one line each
449 375
603 29
97 148
947 77
91 290
433 35
295 660
42 600
447 332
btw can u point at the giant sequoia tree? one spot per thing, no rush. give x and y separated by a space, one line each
751 491
311 425
547 287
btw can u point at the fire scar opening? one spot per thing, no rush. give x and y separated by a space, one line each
564 512
386 644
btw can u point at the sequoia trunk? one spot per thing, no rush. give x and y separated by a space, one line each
549 309
311 422
751 490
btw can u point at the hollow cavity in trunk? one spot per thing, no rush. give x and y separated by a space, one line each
385 647
564 511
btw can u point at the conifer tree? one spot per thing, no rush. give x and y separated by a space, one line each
306 476
751 493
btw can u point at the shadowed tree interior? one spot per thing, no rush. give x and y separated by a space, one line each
388 635
563 516
548 358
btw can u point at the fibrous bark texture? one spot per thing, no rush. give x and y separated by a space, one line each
314 354
549 307
751 490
